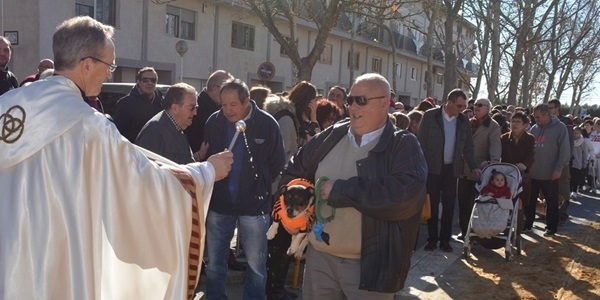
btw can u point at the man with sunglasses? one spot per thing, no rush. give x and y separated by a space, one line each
446 139
376 185
163 134
143 102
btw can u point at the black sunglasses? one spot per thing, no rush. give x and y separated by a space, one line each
480 105
148 79
360 100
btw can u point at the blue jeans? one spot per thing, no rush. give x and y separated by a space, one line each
253 237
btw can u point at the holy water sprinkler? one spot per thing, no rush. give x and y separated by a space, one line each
240 126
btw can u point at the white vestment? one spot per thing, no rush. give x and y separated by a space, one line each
83 213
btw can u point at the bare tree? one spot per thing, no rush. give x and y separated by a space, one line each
451 14
527 33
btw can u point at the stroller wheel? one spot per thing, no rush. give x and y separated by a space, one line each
508 255
466 252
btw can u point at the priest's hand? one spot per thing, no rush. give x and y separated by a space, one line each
222 163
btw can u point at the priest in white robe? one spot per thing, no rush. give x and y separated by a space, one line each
85 214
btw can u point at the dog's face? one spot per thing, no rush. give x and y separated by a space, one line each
297 198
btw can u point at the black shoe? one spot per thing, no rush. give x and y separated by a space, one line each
461 236
445 246
549 232
430 246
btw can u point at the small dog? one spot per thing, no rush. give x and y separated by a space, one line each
295 210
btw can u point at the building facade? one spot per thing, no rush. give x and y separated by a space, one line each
224 35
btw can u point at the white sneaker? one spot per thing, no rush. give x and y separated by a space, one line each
573 195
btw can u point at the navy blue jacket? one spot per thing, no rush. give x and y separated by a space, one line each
258 169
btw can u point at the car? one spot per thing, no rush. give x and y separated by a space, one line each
113 91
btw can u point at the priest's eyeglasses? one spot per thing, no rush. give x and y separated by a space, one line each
111 67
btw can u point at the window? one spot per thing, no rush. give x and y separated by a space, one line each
398 69
439 79
181 22
376 65
353 60
326 54
103 11
413 73
242 36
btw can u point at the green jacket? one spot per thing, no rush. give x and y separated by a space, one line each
431 137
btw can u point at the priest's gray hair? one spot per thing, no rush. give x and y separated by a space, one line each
78 38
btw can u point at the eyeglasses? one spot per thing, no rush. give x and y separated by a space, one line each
480 105
148 79
111 67
360 100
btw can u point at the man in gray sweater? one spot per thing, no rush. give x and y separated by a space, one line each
552 153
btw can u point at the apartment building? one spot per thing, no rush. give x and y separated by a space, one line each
223 35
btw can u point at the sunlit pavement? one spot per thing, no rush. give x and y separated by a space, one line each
426 278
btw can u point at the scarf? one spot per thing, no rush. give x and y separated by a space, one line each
475 123
578 142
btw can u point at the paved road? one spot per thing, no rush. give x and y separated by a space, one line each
431 276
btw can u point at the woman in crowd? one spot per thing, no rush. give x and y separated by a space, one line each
517 149
304 95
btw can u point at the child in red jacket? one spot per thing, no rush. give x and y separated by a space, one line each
497 186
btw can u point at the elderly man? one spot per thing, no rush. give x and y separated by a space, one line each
8 80
45 64
142 103
446 139
209 101
375 194
552 154
163 134
90 216
244 197
488 149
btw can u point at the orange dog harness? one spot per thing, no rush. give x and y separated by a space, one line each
300 223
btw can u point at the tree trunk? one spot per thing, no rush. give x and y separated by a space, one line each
495 44
449 56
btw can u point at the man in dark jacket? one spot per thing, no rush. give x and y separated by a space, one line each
163 134
209 101
446 139
143 102
8 80
376 185
244 197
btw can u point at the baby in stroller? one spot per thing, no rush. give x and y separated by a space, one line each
493 221
497 187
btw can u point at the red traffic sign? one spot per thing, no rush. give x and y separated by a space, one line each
266 71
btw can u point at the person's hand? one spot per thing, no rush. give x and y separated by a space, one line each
222 163
521 167
326 189
476 173
484 163
556 175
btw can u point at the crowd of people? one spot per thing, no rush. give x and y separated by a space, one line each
176 174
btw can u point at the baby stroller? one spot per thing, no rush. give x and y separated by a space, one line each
493 222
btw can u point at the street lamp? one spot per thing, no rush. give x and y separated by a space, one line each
181 48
